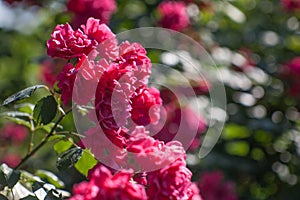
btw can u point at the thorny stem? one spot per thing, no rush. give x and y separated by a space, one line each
44 141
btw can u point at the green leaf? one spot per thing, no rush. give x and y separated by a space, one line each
19 121
45 110
8 176
17 117
51 196
30 198
22 94
56 137
50 178
49 127
86 162
62 146
13 178
2 197
25 107
15 114
68 158
3 182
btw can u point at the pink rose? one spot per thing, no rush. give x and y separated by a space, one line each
173 15
212 186
15 133
83 9
67 43
12 160
66 80
145 106
148 154
107 44
291 5
171 182
105 185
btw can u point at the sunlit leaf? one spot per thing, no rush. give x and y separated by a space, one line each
86 162
62 146
50 178
22 94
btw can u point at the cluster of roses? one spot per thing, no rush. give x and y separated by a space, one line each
114 79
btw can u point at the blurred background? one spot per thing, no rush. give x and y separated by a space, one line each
255 45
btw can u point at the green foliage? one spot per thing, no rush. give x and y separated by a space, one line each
62 146
8 177
22 94
45 110
30 198
2 197
86 162
253 149
69 158
50 178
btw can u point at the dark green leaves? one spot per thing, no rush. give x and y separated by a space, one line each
2 197
30 198
68 158
8 177
37 185
22 94
3 181
51 194
45 110
13 178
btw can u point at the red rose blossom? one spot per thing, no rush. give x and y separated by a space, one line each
118 84
104 37
105 185
66 80
13 132
213 187
145 106
148 154
67 43
290 73
293 66
171 182
173 15
83 9
12 160
291 5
